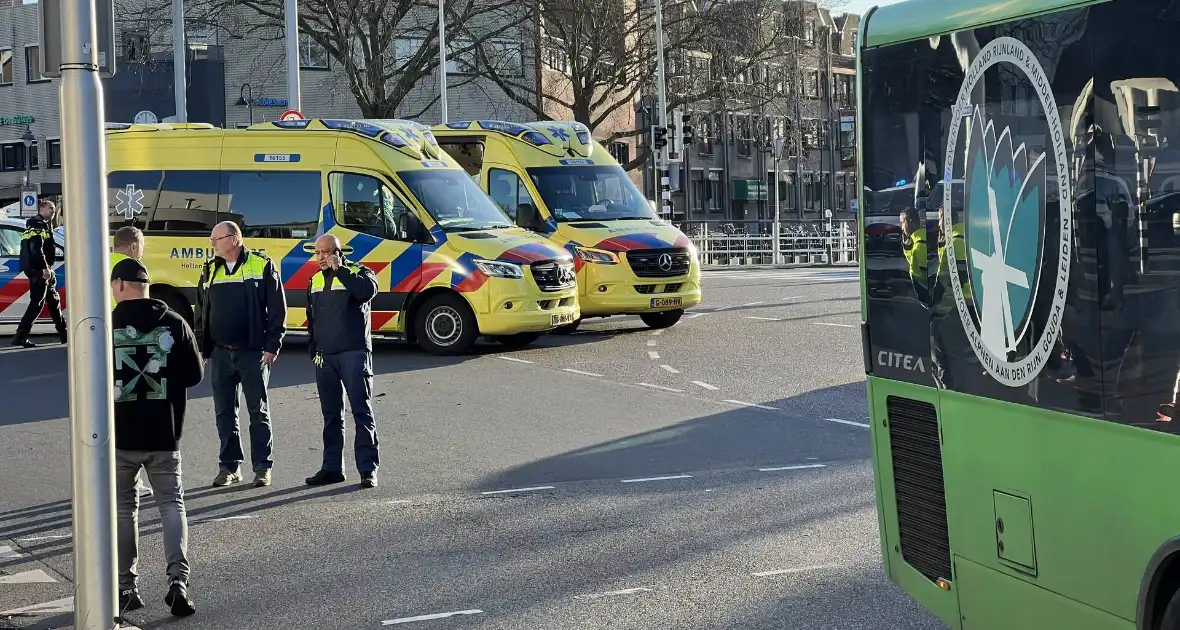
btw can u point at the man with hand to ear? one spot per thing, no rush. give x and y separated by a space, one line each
339 300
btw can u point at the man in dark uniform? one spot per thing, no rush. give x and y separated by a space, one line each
341 346
38 254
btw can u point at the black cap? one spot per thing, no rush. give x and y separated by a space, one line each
129 270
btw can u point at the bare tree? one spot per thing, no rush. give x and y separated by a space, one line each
385 48
597 57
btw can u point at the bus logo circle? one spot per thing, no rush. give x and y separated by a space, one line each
1005 196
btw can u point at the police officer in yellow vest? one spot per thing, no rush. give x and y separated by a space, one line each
339 300
38 255
913 244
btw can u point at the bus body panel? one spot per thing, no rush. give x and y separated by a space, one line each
326 160
604 289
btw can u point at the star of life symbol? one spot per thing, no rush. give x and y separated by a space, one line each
559 133
129 201
1005 196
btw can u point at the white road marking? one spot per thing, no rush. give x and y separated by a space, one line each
848 422
834 324
661 387
651 343
693 315
40 538
573 371
6 553
36 576
751 304
764 319
795 570
626 591
530 489
513 359
722 308
750 404
657 333
399 501
394 622
56 606
669 369
799 467
664 478
228 518
793 297
707 386
653 355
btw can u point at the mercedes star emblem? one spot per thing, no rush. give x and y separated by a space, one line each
666 262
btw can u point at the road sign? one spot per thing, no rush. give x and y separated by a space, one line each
28 203
50 49
291 114
146 117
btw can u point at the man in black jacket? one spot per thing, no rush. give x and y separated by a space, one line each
38 254
341 346
155 362
241 316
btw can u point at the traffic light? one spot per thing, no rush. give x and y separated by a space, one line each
686 129
659 137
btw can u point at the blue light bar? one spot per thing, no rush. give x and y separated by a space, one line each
292 124
368 129
536 138
504 127
584 137
459 124
394 140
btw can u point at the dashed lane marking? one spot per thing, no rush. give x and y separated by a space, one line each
848 422
693 315
798 467
55 607
514 360
42 538
36 576
573 371
835 325
511 490
750 304
653 355
750 404
657 333
661 388
705 385
394 622
764 319
6 553
651 343
625 591
794 570
669 369
663 478
219 519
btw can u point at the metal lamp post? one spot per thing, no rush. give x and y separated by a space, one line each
28 138
247 99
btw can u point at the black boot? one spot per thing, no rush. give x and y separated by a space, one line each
21 341
61 334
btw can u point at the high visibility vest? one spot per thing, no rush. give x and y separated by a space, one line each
317 281
915 255
253 268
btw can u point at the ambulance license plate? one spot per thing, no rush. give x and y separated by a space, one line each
562 319
665 302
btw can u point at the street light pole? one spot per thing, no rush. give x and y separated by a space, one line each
776 229
179 62
84 168
291 13
661 156
442 61
28 138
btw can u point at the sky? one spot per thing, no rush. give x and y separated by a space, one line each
861 6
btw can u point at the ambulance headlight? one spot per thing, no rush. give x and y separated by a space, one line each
498 269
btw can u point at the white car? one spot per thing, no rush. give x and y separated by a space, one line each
14 286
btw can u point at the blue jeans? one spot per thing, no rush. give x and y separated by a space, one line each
352 373
231 370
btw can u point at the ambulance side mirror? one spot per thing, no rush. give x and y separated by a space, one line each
529 218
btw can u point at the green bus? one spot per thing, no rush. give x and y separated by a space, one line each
1021 307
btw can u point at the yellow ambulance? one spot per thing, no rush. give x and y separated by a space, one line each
451 266
555 179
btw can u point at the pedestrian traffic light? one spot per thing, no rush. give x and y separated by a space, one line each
659 137
686 129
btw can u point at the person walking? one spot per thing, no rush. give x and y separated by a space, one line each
129 243
240 324
156 360
339 301
38 255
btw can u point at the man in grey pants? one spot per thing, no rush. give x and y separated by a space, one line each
241 316
155 362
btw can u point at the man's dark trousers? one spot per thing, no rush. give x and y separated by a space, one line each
42 292
352 373
230 369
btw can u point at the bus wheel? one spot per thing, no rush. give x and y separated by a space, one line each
1171 619
662 319
446 326
519 340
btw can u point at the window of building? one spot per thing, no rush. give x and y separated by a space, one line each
620 151
312 56
555 55
5 66
461 56
809 32
357 52
54 147
813 83
33 64
187 202
131 197
367 205
12 157
508 191
271 204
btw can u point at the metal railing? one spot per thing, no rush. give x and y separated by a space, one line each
743 243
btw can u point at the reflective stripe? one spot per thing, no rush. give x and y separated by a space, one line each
27 234
253 268
317 281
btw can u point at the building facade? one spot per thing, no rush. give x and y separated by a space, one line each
807 118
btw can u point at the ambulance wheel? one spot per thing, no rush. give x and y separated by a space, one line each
662 319
445 325
568 329
519 340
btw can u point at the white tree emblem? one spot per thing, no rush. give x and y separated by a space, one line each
129 202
